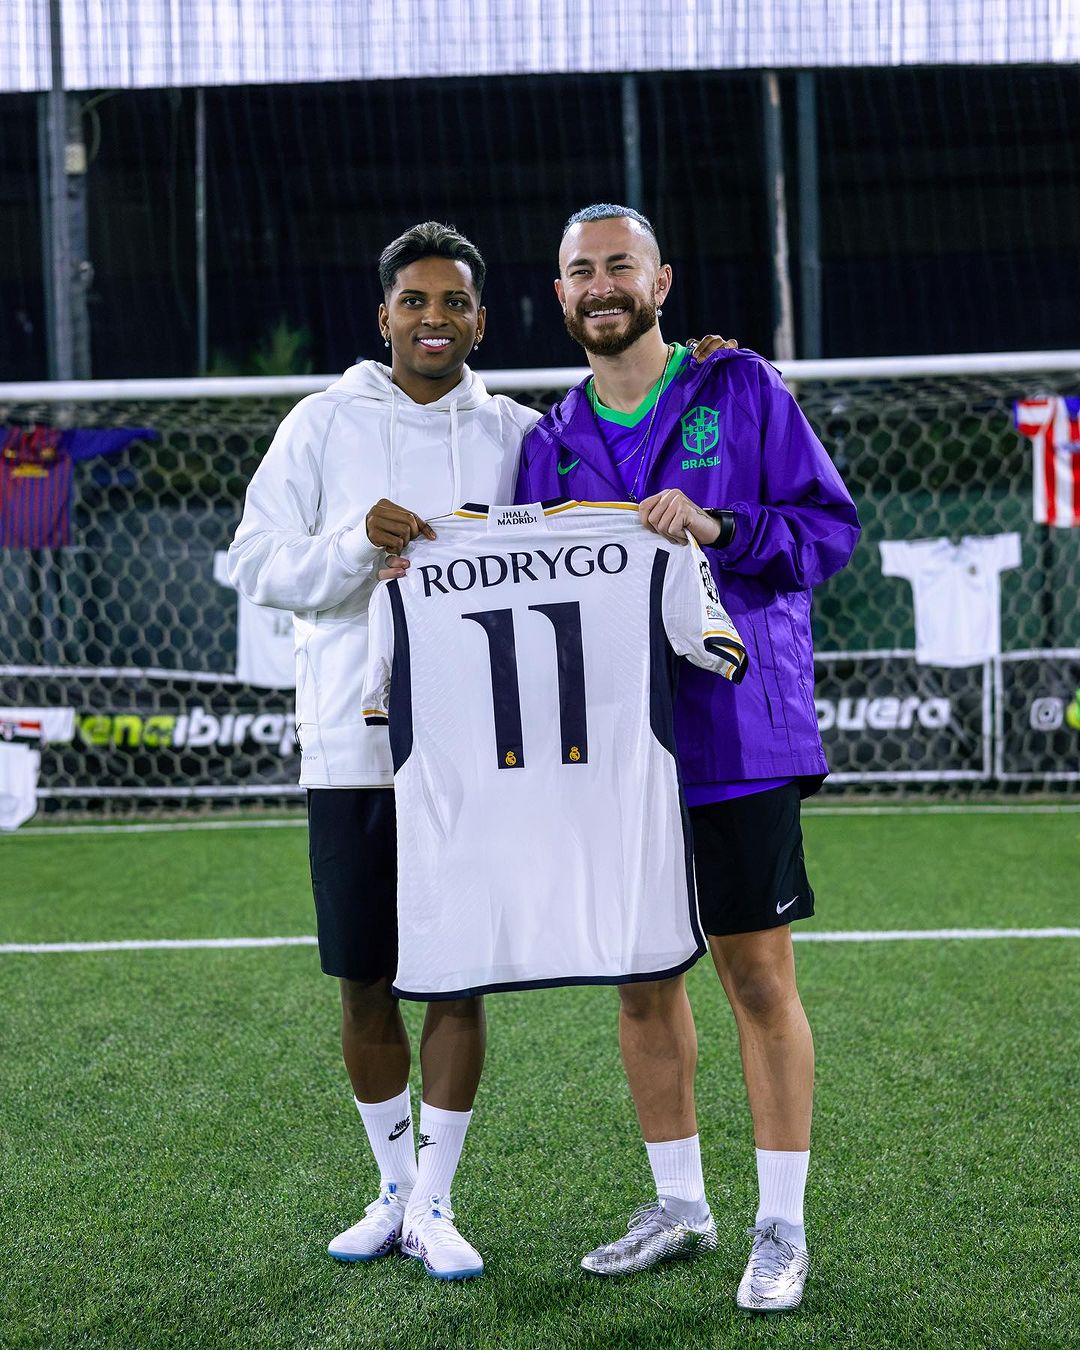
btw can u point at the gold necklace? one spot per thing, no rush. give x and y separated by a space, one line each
595 401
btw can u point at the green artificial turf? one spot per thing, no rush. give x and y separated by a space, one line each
178 1143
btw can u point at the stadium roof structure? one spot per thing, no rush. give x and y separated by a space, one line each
143 44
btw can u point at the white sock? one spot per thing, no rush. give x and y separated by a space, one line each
442 1136
676 1169
781 1186
390 1134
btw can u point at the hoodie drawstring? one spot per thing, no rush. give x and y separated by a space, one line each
392 459
372 385
455 458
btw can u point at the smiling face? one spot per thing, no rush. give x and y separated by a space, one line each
610 283
433 317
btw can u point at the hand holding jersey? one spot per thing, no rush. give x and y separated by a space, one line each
392 527
671 513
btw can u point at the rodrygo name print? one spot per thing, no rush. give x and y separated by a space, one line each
493 569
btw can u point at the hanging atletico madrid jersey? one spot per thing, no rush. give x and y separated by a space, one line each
1054 427
36 475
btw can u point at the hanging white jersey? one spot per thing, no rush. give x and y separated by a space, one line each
957 593
19 768
527 663
264 638
23 731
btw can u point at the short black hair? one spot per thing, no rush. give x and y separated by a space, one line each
430 239
610 211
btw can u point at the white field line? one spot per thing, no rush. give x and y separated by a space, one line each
167 827
937 934
300 822
186 944
1020 809
153 944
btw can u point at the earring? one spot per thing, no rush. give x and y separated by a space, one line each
476 345
386 342
659 311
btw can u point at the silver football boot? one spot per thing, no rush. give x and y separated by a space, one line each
654 1234
776 1273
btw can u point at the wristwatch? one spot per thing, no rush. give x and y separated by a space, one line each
726 521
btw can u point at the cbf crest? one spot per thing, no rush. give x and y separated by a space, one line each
700 432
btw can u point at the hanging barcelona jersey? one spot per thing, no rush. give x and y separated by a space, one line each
36 477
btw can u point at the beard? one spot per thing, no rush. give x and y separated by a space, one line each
641 317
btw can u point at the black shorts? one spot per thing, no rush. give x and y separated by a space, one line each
352 846
748 858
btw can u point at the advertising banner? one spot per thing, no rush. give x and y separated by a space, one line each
884 717
1038 716
158 735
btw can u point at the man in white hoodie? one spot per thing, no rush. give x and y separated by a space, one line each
322 511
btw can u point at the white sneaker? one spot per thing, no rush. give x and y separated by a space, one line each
377 1233
776 1273
430 1236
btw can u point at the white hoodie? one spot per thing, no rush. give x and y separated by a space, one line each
302 543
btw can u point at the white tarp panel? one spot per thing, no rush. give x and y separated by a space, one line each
130 44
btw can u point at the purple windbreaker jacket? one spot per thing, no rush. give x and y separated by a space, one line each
730 435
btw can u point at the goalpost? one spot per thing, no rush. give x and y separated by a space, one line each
130 628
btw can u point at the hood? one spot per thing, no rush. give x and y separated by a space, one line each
371 380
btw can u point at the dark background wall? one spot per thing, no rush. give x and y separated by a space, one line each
949 206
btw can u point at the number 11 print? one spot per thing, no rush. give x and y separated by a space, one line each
565 620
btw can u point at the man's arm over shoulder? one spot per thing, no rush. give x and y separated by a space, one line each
804 527
278 556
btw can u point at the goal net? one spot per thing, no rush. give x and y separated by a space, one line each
947 662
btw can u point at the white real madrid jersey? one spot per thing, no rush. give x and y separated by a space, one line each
19 769
526 663
956 590
264 638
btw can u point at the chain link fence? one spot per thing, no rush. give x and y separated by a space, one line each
130 627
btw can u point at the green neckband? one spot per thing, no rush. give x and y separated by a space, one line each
631 419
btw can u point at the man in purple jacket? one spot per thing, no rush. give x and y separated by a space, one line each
720 449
